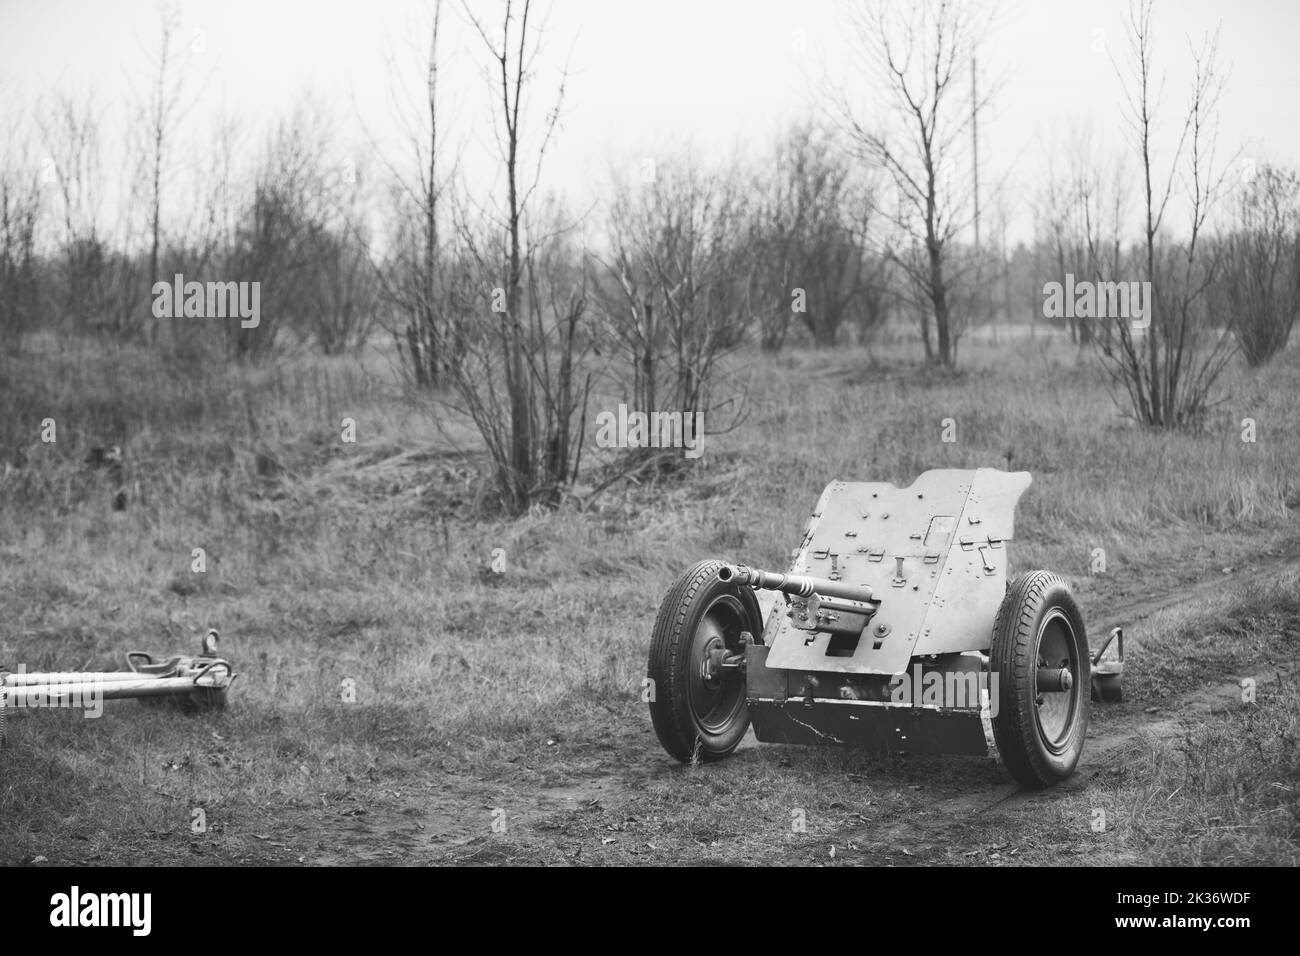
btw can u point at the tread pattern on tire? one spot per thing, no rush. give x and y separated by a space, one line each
1011 656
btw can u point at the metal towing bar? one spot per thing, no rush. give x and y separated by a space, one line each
192 683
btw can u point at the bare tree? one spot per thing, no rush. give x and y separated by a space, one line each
73 166
415 283
342 294
1261 277
209 235
672 302
920 54
808 242
20 214
1168 369
280 236
1080 216
519 378
159 115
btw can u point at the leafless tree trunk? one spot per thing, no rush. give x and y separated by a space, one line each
521 382
672 301
919 54
163 111
1168 369
416 283
1080 213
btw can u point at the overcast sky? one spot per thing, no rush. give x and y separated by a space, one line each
647 77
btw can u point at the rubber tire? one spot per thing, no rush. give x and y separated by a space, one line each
669 666
1013 657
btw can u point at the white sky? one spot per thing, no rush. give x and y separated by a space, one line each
649 76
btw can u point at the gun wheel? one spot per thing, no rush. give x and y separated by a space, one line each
697 693
1040 658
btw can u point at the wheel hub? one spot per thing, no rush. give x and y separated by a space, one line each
715 652
717 692
1056 681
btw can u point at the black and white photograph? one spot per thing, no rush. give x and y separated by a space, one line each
690 433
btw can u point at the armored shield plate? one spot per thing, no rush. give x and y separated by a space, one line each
934 555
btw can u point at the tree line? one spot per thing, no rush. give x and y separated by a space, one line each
510 306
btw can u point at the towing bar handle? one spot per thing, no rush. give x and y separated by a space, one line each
800 585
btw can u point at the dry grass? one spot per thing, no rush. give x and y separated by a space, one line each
329 561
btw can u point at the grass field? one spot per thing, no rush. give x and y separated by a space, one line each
498 717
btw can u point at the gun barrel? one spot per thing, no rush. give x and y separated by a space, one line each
797 584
